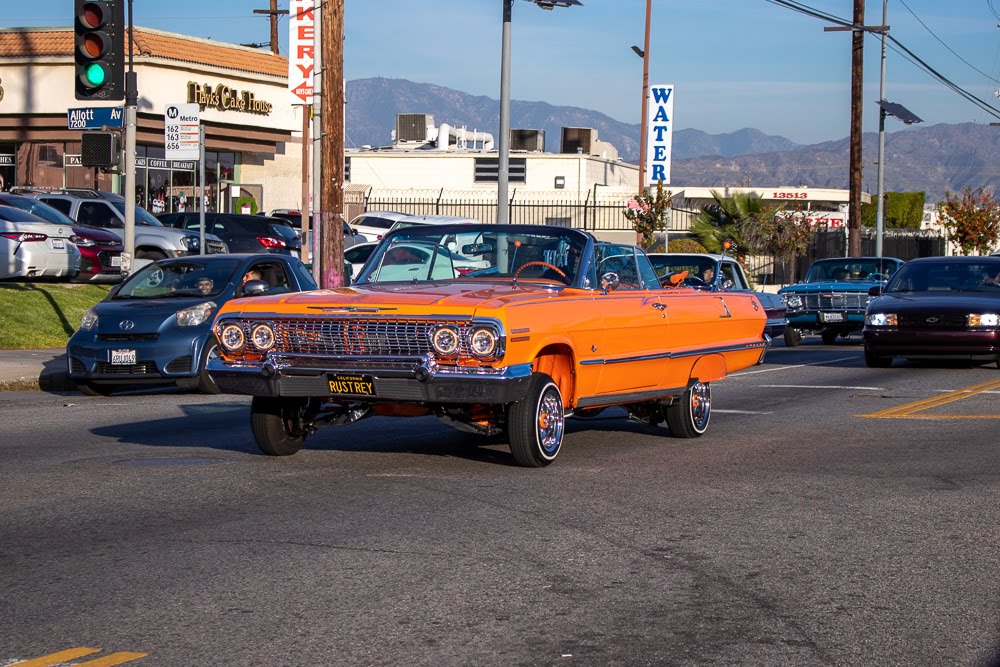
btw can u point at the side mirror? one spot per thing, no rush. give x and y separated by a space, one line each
875 290
609 282
255 287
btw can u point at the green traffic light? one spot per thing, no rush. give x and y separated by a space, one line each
94 74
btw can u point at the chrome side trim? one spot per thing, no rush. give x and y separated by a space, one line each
629 397
677 355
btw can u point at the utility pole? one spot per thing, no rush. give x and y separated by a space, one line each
332 170
857 76
880 188
131 106
644 127
273 13
857 79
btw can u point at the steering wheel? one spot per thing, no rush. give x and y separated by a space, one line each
545 264
155 277
694 281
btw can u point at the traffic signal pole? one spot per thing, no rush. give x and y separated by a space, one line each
131 102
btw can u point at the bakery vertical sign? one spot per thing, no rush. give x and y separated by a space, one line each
301 52
660 135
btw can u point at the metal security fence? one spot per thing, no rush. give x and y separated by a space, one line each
593 214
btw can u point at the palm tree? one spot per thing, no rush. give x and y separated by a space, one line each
741 218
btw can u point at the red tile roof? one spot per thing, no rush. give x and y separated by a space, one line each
28 43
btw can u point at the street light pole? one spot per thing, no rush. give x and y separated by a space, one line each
880 204
644 127
503 175
131 104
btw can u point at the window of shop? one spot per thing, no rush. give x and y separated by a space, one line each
8 160
40 164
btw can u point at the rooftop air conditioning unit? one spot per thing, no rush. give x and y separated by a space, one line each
527 140
578 140
414 126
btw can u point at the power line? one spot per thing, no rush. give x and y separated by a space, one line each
941 41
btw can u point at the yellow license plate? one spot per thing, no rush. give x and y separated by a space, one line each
349 384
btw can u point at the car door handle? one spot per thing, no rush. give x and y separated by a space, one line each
660 306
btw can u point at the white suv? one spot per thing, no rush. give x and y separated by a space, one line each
107 210
376 224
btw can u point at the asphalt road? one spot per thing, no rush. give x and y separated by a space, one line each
833 514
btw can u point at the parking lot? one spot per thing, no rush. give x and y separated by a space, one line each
834 514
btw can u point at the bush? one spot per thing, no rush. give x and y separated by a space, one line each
686 245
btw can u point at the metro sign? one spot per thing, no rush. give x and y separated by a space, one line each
301 50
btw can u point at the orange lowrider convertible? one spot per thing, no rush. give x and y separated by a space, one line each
499 329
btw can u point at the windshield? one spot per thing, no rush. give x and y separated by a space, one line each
867 270
697 267
432 252
957 276
142 217
35 207
179 278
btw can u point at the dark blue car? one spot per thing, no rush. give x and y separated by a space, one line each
155 327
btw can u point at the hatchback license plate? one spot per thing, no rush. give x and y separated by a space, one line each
122 357
832 317
349 384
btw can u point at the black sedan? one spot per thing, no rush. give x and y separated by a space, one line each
936 307
242 233
155 328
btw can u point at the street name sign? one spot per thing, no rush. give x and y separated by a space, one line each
94 118
181 131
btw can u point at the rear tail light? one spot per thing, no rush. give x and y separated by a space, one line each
271 242
23 237
463 270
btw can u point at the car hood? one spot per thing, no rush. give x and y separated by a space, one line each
146 315
828 286
933 302
95 234
444 298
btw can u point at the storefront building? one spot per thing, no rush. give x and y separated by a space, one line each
251 143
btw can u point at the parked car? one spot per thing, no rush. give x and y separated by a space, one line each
33 248
719 273
241 233
100 250
831 301
555 322
936 307
376 224
414 220
154 328
412 255
293 217
107 210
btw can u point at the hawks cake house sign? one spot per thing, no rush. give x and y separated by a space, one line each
224 98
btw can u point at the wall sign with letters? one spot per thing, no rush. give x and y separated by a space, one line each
224 98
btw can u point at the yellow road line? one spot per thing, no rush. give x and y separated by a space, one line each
56 658
111 660
908 409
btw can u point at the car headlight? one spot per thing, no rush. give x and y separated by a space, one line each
792 300
190 242
89 320
231 337
82 242
982 320
262 337
445 340
483 342
195 315
882 319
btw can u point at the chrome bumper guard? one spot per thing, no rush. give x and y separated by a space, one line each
395 379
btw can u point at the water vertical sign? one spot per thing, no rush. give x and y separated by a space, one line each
659 140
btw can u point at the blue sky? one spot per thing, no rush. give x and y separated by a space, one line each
735 63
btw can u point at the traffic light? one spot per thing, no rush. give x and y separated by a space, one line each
100 149
99 49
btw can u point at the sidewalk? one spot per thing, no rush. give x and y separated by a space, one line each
45 369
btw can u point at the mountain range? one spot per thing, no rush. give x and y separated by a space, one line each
935 159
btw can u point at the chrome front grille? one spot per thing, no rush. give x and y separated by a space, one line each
214 247
835 301
931 321
356 337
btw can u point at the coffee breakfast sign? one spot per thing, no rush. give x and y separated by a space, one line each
224 98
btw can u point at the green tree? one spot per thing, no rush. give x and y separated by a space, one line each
648 214
903 210
972 220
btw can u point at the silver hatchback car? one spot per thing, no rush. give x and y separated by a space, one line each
33 248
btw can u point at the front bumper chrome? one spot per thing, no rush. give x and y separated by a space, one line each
395 379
